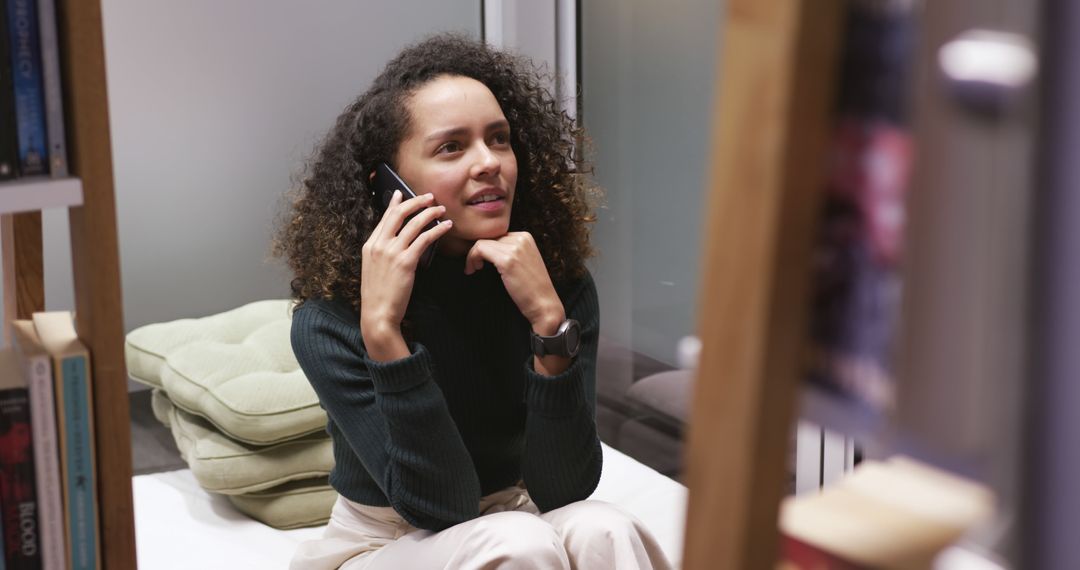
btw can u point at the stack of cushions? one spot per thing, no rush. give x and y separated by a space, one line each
242 413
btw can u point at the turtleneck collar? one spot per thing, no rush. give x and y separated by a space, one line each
446 274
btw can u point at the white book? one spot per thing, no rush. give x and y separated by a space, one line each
50 78
37 369
75 425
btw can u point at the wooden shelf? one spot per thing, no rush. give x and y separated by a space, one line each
39 193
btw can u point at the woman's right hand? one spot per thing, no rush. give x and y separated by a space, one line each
390 257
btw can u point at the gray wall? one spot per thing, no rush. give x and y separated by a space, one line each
213 107
647 76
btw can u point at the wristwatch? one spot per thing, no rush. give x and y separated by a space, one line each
565 342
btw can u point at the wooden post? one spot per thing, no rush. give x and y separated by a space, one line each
24 273
771 131
96 269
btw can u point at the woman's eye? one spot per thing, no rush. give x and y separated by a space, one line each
500 138
448 147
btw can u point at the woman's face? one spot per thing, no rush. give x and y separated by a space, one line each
458 148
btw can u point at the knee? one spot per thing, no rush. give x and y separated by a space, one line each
517 536
597 519
594 530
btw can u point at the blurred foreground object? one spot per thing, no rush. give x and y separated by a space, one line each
859 242
891 514
988 72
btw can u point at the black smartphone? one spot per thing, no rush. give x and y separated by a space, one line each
382 190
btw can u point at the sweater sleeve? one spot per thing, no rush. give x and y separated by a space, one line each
563 458
394 418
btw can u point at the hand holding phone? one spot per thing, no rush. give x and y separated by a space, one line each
391 258
385 182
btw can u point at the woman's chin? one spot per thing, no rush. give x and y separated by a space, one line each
459 240
484 231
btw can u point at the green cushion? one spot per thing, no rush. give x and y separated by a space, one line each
236 369
292 505
230 467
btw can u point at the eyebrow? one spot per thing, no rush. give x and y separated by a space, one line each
458 131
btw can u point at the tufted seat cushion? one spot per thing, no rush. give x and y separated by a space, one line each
235 369
292 505
229 467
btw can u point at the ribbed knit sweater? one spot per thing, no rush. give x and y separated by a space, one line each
465 414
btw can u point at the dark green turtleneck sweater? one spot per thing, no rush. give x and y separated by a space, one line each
466 414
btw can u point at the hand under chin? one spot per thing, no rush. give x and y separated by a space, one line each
454 246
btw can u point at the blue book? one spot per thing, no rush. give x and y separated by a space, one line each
23 30
75 416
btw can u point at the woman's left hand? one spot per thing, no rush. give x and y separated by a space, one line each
524 275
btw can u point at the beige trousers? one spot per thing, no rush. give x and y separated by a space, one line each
510 534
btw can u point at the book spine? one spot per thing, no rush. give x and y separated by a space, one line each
46 462
29 99
54 103
21 544
798 555
78 458
9 146
3 564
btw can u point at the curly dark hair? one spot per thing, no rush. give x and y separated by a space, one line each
329 214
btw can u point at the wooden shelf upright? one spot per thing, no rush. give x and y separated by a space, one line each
95 265
771 123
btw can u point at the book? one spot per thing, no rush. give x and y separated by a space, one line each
23 34
17 487
37 369
894 514
857 279
74 407
9 147
54 102
3 565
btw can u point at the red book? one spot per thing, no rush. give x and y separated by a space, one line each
798 555
18 504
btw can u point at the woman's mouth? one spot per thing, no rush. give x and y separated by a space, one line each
488 203
490 199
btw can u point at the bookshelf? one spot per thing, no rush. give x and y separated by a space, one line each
962 340
95 263
31 195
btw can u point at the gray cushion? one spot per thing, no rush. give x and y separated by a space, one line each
667 394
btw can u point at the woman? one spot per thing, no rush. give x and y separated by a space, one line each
460 395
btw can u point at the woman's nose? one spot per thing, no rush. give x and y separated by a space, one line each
487 163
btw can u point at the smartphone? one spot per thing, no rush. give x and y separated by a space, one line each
382 190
